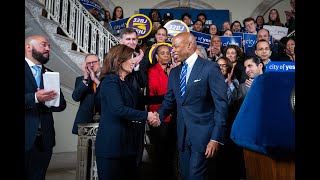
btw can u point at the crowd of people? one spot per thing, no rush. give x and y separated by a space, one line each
188 95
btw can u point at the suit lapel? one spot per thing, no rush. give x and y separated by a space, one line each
196 69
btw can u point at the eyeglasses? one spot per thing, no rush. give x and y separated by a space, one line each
222 65
266 49
93 63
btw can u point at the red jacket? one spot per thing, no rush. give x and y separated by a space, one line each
158 84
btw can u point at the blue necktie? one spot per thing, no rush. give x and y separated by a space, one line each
37 76
183 78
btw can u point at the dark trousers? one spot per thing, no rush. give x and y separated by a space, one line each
37 160
117 168
194 165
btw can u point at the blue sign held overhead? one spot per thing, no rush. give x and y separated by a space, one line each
202 38
225 40
118 24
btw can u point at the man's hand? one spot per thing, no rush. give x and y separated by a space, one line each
138 58
212 149
43 95
153 119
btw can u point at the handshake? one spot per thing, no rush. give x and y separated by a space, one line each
153 119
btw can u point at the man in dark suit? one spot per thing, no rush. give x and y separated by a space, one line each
39 126
201 107
85 91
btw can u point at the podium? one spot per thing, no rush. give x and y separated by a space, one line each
265 127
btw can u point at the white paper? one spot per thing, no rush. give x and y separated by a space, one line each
277 32
51 81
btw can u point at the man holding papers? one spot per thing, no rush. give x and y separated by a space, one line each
40 102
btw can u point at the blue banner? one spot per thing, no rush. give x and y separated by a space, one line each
213 16
237 34
202 38
280 66
225 40
89 4
249 40
118 24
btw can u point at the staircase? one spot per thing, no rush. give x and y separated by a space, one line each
72 32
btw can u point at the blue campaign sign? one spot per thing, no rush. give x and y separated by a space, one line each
118 24
175 27
280 66
249 40
89 4
141 23
202 38
213 16
237 34
225 40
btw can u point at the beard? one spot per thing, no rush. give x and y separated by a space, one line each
39 56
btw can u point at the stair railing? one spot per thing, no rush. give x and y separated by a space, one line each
78 24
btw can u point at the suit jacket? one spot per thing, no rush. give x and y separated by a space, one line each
119 132
202 111
38 112
88 99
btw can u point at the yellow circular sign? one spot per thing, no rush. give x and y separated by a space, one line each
153 50
141 23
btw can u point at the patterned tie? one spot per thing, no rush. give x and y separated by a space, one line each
183 78
37 75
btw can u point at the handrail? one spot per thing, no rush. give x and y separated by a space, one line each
77 23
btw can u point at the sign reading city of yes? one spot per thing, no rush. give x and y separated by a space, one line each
154 48
279 66
175 27
141 23
202 39
225 40
118 24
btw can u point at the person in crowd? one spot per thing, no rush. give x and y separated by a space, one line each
213 29
235 55
274 18
107 20
163 137
201 51
254 67
236 26
227 32
227 68
215 49
155 17
117 14
290 17
117 141
287 50
85 90
260 22
95 13
167 17
203 17
250 25
138 78
197 89
263 51
39 126
230 162
226 26
264 34
186 18
198 26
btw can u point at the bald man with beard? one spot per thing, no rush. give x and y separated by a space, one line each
39 126
201 108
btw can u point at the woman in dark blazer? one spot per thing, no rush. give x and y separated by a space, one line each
118 133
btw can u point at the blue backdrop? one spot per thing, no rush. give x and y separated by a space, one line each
213 16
